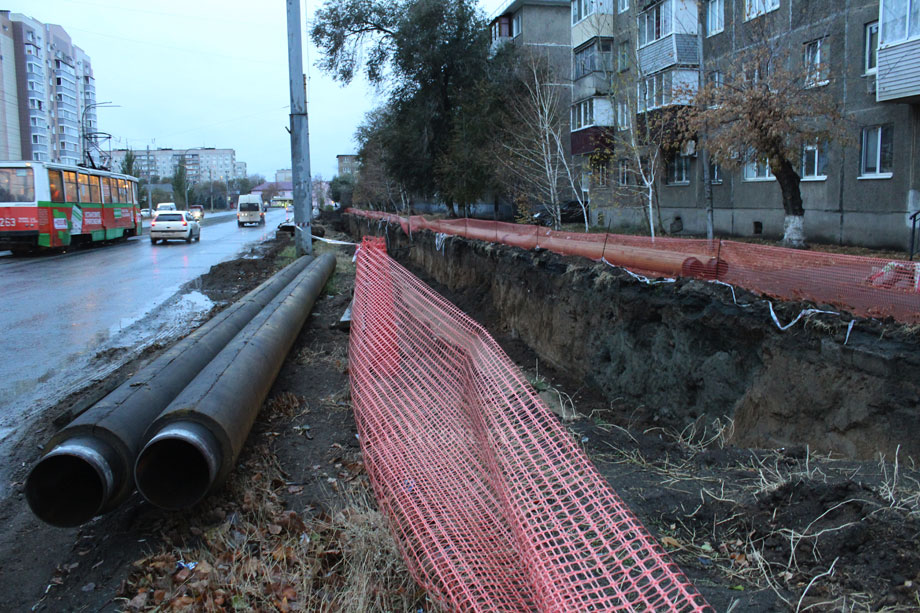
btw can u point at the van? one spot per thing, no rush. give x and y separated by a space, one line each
249 209
166 206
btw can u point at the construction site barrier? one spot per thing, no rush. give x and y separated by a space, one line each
864 286
493 505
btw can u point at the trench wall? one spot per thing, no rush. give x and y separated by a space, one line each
685 351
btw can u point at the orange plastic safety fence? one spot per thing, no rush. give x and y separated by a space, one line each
869 287
492 504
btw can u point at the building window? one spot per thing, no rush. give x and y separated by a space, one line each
584 61
655 23
715 173
814 161
623 122
622 6
583 114
655 91
600 176
755 8
679 170
900 20
623 172
816 63
582 9
623 56
516 25
715 17
871 52
757 170
877 154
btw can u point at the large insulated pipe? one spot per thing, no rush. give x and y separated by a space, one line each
88 467
193 445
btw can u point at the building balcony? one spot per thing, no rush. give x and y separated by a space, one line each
899 72
587 140
672 50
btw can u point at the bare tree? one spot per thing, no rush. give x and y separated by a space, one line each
640 125
320 191
762 107
532 150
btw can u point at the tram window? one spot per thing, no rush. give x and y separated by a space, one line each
132 188
70 186
84 187
122 193
95 196
17 185
56 183
107 190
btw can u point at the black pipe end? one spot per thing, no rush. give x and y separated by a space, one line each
177 467
69 486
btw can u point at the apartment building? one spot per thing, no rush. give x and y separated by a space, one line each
865 55
53 109
347 163
539 27
10 145
201 163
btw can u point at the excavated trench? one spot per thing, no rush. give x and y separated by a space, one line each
673 354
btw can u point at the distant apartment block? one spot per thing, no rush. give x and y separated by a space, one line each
347 164
201 163
48 93
285 174
10 140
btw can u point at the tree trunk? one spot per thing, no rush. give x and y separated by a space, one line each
794 223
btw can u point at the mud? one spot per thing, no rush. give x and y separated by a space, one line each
672 354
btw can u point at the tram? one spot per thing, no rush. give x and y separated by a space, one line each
52 206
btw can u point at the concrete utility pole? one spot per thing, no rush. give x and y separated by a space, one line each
149 185
300 134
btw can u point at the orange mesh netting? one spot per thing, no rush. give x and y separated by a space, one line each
867 287
492 504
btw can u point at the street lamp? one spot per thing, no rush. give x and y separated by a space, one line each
85 136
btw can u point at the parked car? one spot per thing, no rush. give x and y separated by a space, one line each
176 225
166 206
145 213
571 213
197 211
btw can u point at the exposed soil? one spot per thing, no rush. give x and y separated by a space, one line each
672 386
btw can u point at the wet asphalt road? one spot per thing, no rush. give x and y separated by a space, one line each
59 309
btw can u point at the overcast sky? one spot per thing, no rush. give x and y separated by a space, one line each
210 73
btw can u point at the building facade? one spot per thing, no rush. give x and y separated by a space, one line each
201 163
347 164
861 189
10 141
53 110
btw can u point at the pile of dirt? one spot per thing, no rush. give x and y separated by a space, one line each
675 353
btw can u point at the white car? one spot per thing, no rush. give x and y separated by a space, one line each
174 224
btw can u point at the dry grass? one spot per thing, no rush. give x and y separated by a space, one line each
261 556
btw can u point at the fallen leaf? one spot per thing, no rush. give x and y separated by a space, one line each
669 541
138 602
274 529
